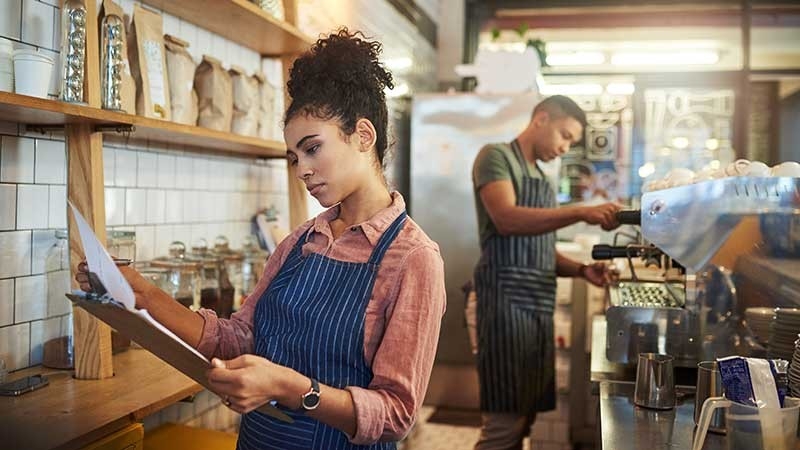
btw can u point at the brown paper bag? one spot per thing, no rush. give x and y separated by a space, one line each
149 64
245 103
215 95
128 85
180 70
266 107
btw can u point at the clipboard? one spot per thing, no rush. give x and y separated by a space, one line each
156 341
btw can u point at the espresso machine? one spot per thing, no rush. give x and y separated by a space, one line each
695 234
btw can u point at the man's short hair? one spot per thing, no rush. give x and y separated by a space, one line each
558 106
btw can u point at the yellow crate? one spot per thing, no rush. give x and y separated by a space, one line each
171 436
128 438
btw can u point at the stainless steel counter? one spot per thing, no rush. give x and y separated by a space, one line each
626 426
601 368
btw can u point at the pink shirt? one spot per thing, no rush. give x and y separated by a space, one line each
402 323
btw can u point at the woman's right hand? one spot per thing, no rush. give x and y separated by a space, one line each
142 289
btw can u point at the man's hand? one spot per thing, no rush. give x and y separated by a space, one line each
599 274
142 289
603 215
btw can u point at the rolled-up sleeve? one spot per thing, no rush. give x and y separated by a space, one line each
387 408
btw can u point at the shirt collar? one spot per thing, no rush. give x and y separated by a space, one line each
372 228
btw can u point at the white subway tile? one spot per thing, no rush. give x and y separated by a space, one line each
109 164
37 23
8 206
6 302
199 231
183 233
56 26
16 159
163 237
218 200
239 174
11 19
235 205
145 243
171 24
183 172
166 171
54 88
200 172
32 200
43 331
30 300
15 346
57 218
115 206
204 43
173 212
51 162
188 32
147 172
58 284
125 168
249 206
219 49
156 206
191 206
43 240
135 206
217 229
15 253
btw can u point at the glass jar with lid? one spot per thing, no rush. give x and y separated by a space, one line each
121 244
159 276
183 275
230 275
255 260
209 274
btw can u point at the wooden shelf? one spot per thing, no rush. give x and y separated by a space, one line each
241 22
39 111
71 413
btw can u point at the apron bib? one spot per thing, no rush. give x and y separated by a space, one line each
311 318
515 282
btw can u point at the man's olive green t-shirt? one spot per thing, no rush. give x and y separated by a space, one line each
496 162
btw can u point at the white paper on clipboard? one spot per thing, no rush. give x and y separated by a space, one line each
101 263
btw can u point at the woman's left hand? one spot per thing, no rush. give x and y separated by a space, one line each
599 274
246 382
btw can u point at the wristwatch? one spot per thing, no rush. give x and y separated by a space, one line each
310 400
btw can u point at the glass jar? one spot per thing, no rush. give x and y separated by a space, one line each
159 276
209 274
255 260
230 280
121 244
182 275
73 50
57 352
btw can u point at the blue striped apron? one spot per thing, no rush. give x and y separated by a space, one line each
515 282
311 318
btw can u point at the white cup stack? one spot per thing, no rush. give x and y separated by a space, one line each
6 66
32 72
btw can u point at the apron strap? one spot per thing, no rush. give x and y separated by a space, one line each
386 239
520 157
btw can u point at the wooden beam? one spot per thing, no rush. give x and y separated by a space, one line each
91 80
85 190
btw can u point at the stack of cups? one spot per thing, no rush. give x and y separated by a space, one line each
6 66
32 72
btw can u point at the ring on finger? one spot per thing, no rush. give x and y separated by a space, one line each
226 401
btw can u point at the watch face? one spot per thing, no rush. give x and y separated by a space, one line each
311 401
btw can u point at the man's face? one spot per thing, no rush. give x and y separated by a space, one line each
554 136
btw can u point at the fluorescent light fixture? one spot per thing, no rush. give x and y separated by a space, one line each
646 170
398 91
680 142
572 89
403 63
671 58
620 88
576 59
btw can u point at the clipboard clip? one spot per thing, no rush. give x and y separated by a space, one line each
99 293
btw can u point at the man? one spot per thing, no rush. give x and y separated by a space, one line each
515 279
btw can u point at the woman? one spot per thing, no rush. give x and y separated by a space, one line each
342 329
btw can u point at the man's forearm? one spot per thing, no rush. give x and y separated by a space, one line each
567 267
521 220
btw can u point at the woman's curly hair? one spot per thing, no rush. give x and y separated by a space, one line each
341 78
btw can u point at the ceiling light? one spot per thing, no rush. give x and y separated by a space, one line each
575 59
620 88
680 142
654 58
572 89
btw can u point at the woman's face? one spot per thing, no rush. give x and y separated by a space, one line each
329 163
